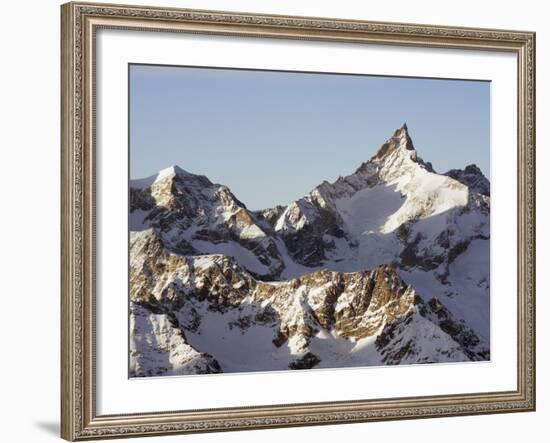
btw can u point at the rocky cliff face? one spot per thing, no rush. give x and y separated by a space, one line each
389 265
472 177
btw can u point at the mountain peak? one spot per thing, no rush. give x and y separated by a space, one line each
171 171
472 177
401 143
473 169
399 140
402 131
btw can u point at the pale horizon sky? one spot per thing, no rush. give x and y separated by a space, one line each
273 136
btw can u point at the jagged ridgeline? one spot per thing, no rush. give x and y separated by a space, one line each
386 266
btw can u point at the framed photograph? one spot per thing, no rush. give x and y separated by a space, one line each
282 221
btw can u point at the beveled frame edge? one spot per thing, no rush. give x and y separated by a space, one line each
78 24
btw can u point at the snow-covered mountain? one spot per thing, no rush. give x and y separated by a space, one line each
388 265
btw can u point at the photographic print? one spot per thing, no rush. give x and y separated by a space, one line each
249 197
297 220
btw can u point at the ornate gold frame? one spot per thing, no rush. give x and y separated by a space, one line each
79 21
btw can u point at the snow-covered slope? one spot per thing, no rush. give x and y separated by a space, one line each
292 287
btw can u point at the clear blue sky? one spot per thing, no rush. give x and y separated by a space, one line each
273 136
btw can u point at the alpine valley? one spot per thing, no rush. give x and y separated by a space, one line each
386 266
